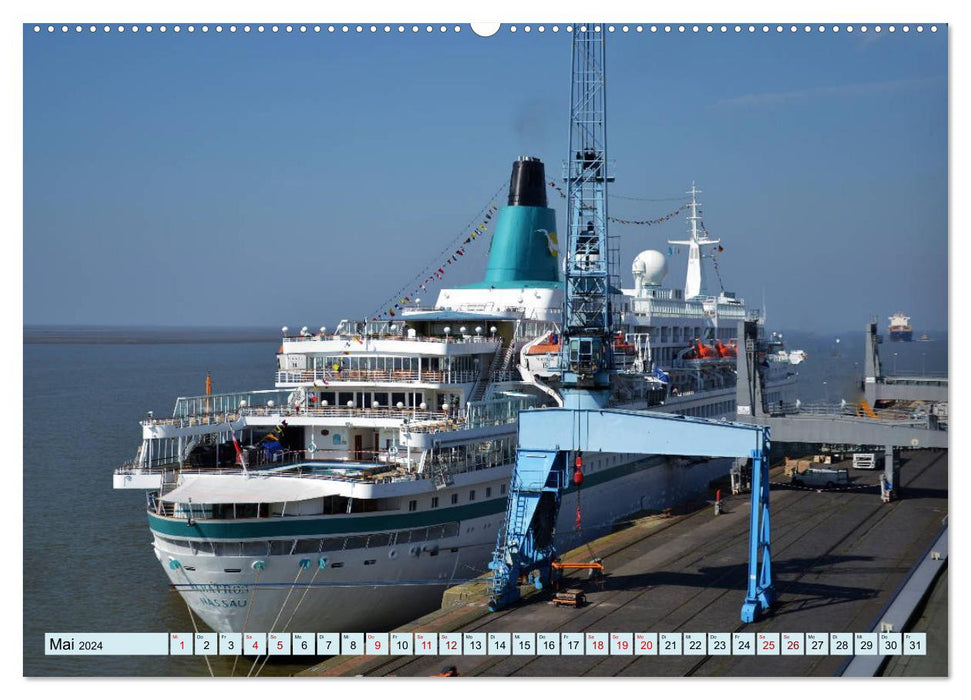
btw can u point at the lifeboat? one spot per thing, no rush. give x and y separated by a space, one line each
550 345
622 347
725 350
703 352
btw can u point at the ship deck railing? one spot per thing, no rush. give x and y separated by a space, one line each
215 418
326 377
157 505
361 339
380 412
418 421
286 411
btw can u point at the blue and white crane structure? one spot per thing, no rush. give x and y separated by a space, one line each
552 441
587 359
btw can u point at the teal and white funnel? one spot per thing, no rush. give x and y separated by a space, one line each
525 250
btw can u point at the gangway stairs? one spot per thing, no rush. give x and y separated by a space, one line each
481 384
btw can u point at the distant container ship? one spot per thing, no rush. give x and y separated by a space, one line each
900 328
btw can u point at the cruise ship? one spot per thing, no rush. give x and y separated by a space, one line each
374 473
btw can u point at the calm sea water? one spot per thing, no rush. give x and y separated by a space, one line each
88 561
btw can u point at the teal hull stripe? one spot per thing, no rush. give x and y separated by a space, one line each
319 525
338 525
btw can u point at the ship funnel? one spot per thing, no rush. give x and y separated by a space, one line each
527 185
525 249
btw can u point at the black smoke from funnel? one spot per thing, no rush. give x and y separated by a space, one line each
527 185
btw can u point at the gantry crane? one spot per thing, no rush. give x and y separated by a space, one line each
552 441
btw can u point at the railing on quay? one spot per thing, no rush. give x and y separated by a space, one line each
916 378
853 412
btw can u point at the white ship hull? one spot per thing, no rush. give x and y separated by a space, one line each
397 585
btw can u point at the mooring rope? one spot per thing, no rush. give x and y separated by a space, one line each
273 626
249 607
192 617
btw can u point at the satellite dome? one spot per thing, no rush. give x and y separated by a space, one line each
649 268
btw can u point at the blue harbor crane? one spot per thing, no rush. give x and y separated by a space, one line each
552 442
586 360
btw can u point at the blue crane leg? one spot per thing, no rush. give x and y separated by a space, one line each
525 539
760 593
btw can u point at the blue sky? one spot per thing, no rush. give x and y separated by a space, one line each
261 179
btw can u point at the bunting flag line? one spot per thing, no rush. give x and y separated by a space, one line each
435 271
645 222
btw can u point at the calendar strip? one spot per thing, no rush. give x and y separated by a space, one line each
766 644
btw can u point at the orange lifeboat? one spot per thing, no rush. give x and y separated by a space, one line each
725 350
703 352
548 346
622 347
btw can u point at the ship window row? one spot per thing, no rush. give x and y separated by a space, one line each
712 410
413 504
312 545
677 334
367 399
340 365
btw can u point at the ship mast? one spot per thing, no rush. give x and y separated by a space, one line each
694 284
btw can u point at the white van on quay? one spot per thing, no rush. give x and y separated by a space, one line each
826 478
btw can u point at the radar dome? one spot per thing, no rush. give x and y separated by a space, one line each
649 268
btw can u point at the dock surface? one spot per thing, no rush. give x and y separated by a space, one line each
838 557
